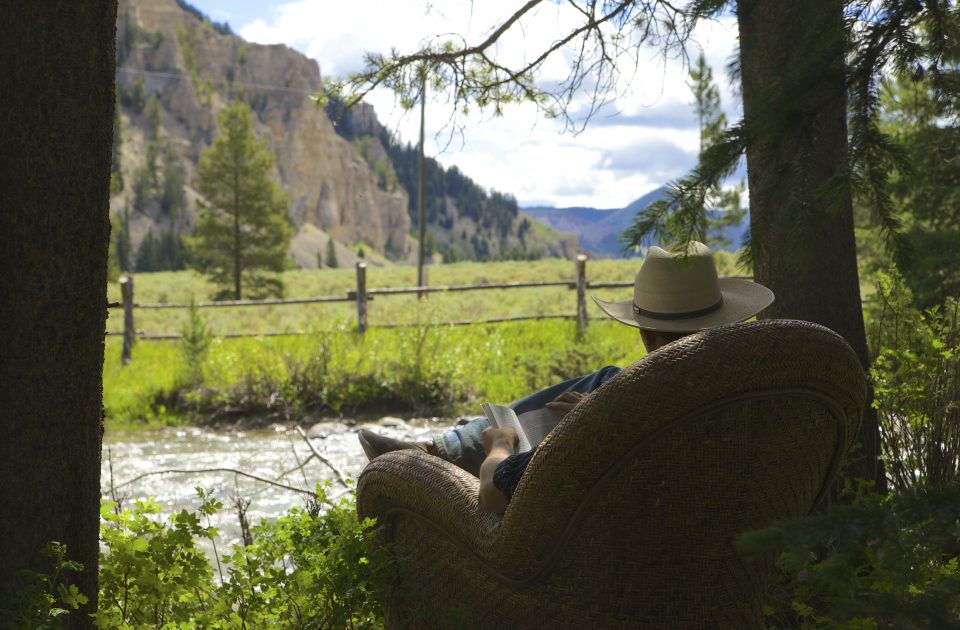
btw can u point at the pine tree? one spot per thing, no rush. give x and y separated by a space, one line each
113 261
332 254
721 207
116 173
121 240
194 344
242 232
173 199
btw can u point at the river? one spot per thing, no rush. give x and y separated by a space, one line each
129 459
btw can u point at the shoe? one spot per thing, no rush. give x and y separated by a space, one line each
375 444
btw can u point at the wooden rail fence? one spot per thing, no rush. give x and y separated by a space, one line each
361 297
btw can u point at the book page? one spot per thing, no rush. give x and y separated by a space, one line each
537 424
502 417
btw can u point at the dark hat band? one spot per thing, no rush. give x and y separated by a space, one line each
687 315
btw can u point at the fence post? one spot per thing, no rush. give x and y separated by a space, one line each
362 297
581 292
126 291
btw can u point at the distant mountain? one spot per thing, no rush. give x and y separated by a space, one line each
598 231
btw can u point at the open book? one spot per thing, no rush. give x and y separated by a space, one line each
531 427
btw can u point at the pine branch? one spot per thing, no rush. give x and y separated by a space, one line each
472 75
681 217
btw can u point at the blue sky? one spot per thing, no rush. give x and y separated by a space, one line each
647 137
237 13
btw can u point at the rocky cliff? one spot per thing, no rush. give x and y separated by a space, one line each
192 71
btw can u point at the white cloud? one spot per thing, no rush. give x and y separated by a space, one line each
521 153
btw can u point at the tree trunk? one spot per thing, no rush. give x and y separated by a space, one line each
56 117
801 211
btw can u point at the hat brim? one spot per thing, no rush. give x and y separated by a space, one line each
742 299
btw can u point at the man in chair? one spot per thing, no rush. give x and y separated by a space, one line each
674 295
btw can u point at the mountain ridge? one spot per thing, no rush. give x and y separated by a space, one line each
599 231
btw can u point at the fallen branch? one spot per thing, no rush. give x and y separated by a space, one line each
340 476
300 468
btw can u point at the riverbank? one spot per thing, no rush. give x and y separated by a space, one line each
411 372
168 464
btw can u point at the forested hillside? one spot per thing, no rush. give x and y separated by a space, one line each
464 221
176 70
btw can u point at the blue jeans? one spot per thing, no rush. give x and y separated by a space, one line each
463 445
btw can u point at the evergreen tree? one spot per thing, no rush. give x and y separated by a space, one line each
926 195
242 232
146 180
332 254
148 254
172 199
113 261
195 341
429 244
721 208
165 252
116 175
154 117
121 239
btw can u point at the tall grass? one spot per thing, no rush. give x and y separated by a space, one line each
422 370
181 286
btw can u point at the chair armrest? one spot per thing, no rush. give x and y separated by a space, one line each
410 483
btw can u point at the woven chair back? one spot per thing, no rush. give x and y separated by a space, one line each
633 503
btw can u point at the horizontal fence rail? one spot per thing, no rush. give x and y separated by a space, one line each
230 303
361 296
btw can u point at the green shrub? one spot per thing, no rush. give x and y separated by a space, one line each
153 573
195 341
916 379
44 597
316 567
875 562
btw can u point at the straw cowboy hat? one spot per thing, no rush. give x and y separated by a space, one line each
677 293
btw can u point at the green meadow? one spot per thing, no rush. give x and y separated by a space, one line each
181 286
423 369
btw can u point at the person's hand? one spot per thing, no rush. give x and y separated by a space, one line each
566 401
505 438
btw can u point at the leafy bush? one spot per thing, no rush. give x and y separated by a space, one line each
877 562
43 597
316 567
916 378
152 573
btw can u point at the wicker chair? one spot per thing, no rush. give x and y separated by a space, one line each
627 513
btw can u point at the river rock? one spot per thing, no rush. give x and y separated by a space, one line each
392 422
323 429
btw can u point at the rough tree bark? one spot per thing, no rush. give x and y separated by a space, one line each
801 218
56 123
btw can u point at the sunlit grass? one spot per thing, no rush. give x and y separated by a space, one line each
333 370
180 287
